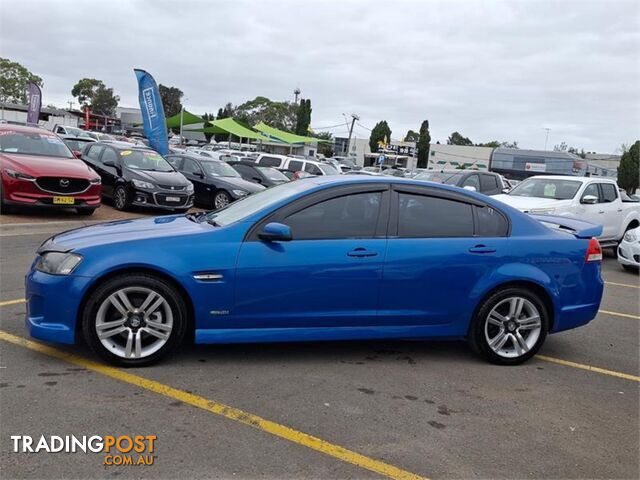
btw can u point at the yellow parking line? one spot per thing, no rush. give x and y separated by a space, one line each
618 314
226 411
622 285
589 368
13 302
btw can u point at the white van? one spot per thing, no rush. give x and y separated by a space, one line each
290 164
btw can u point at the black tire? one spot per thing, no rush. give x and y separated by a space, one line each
174 301
631 268
121 199
85 211
478 339
224 198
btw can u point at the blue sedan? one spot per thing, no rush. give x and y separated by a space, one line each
329 258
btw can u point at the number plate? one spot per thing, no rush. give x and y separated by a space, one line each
63 200
172 199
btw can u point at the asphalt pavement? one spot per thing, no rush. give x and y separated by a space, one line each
427 408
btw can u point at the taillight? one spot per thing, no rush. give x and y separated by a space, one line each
594 251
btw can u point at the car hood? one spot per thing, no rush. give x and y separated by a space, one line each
124 231
238 183
527 203
42 166
172 178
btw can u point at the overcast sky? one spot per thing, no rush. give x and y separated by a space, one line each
500 70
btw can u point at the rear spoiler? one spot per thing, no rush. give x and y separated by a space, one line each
579 228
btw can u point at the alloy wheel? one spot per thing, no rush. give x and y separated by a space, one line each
120 198
134 322
513 327
221 200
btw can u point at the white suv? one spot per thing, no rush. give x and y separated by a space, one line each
290 164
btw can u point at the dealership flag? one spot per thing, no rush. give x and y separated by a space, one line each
155 128
34 96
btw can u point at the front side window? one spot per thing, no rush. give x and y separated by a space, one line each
349 216
174 161
145 160
420 216
608 192
592 191
94 152
472 181
190 166
109 155
219 169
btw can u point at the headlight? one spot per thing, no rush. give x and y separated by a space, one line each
95 181
542 210
140 184
58 263
240 193
19 175
630 236
190 188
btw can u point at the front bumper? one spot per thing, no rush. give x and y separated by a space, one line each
629 253
27 193
52 305
158 199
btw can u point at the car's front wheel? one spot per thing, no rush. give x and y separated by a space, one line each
221 200
121 198
510 326
134 320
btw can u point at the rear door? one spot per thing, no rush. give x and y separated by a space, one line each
441 244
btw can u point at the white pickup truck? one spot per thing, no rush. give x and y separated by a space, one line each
594 199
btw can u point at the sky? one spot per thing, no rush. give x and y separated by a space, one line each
492 70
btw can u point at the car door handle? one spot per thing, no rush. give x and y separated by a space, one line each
482 249
361 252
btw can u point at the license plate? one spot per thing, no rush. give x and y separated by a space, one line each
63 200
172 199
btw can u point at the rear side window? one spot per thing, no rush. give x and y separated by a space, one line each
94 152
350 216
490 222
608 192
270 161
420 216
295 166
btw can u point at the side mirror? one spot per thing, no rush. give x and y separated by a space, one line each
256 179
506 190
110 163
589 199
275 232
471 188
77 153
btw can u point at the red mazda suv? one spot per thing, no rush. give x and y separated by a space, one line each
39 170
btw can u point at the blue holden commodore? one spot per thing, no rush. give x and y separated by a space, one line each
327 258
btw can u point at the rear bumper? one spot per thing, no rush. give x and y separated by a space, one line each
52 305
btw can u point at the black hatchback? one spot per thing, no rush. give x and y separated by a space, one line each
216 183
134 175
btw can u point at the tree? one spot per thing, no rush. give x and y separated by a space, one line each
13 81
562 147
207 117
94 94
629 169
424 143
303 117
491 144
280 115
379 133
325 148
513 144
411 136
457 139
171 100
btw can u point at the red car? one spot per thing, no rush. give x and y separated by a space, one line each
39 170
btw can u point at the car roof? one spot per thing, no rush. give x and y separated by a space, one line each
123 145
23 128
198 158
570 177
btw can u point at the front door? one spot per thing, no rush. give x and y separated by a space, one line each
328 275
195 175
435 258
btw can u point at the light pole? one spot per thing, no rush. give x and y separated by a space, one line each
354 117
546 139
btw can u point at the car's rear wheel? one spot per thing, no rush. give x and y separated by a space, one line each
121 198
221 200
134 320
85 211
510 326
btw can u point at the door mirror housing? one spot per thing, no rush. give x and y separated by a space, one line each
110 163
275 232
256 179
506 190
77 153
589 199
471 188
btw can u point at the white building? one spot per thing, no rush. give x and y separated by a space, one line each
11 112
443 157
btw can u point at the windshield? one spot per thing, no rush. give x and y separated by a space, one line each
546 188
36 143
145 160
440 177
328 169
242 209
273 174
219 169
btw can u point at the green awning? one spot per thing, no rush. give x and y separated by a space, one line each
229 125
290 138
188 118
